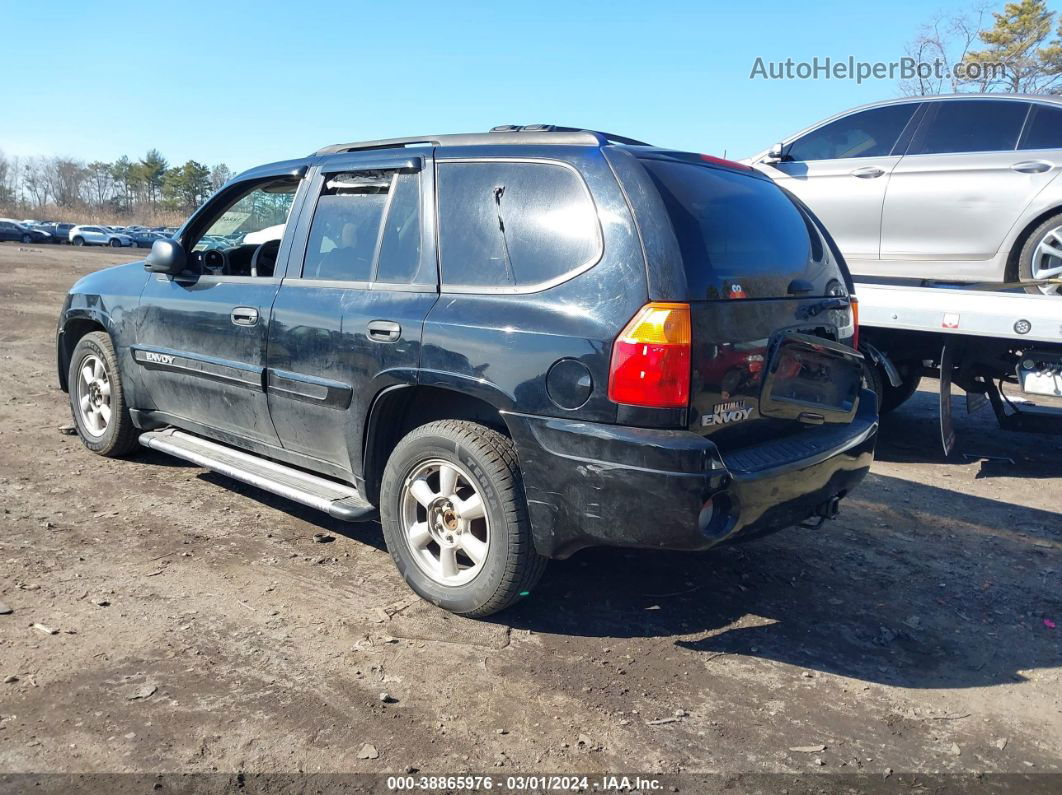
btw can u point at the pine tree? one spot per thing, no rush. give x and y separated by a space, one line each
1018 56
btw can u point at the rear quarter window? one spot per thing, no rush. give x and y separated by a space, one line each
514 225
740 236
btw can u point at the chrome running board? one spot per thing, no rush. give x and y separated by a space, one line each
339 500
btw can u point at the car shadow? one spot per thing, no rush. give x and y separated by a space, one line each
911 434
914 586
873 596
364 532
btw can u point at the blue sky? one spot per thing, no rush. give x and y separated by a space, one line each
247 83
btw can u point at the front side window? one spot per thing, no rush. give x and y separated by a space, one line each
255 217
869 133
512 225
956 126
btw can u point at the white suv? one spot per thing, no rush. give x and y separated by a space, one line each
98 236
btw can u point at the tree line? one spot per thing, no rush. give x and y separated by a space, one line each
145 189
1021 52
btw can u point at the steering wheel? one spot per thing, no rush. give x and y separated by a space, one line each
264 260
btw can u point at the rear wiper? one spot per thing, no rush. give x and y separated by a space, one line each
835 302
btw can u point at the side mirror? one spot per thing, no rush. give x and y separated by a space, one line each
776 154
167 256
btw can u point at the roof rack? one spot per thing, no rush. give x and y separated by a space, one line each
506 134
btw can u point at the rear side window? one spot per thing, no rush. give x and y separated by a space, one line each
970 126
739 235
507 225
1044 129
346 227
400 241
869 133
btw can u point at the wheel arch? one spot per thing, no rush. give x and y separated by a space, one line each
73 329
398 409
1011 271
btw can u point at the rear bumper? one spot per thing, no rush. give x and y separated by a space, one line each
589 484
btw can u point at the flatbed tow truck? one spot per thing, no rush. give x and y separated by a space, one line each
984 338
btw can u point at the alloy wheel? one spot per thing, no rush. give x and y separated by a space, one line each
1047 260
94 396
444 522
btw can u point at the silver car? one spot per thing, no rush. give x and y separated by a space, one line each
98 236
957 188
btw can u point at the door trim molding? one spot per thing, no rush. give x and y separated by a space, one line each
308 388
207 367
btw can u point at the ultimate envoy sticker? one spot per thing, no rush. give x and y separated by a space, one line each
723 413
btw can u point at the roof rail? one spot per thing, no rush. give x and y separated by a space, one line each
608 137
504 135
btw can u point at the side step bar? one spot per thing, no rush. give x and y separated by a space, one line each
339 500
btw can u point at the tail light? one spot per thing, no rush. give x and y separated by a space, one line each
854 303
651 358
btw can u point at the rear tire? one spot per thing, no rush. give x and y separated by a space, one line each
434 474
79 241
97 400
1033 261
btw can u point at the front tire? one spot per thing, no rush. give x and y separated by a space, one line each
27 239
97 400
455 518
116 243
1041 256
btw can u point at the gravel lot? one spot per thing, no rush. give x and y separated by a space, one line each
200 628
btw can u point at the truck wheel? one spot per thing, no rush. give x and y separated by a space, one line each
97 400
892 397
1041 256
455 520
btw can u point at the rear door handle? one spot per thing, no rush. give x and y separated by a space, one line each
244 316
1032 166
868 172
384 331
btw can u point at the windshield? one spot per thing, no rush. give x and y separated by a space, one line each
258 216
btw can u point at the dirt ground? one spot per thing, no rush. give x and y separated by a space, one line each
201 628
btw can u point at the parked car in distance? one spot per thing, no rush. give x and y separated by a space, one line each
15 230
98 236
598 342
144 238
60 232
958 188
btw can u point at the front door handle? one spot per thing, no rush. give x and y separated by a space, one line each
1032 166
384 331
244 316
868 172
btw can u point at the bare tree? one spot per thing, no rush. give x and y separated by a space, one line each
101 182
944 40
7 196
66 180
35 181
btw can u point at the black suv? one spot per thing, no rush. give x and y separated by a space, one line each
517 344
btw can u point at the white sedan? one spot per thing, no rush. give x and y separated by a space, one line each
98 236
